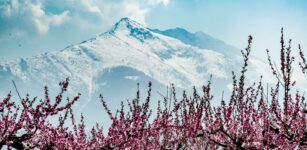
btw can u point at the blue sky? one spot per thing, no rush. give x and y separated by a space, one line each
29 27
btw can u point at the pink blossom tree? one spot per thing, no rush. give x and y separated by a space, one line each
25 124
251 118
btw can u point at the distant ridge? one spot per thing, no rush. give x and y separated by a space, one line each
199 39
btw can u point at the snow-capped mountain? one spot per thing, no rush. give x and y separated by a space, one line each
127 44
113 62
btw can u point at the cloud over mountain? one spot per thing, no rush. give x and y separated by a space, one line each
21 17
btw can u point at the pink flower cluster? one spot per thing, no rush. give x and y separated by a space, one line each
252 118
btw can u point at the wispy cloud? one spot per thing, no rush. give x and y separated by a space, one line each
22 17
28 16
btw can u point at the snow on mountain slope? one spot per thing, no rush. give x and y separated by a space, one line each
127 44
113 62
200 40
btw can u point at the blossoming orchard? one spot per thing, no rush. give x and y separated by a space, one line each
250 118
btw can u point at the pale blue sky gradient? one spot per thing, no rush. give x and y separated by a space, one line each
23 33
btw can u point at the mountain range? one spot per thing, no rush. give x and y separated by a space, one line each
114 61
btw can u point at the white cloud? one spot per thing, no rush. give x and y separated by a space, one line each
164 2
138 15
30 14
38 16
132 77
43 21
110 11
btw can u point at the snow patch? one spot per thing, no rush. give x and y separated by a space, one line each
132 77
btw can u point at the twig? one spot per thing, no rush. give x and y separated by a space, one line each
16 89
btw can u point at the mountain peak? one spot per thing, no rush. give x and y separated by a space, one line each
132 28
126 19
179 29
127 23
